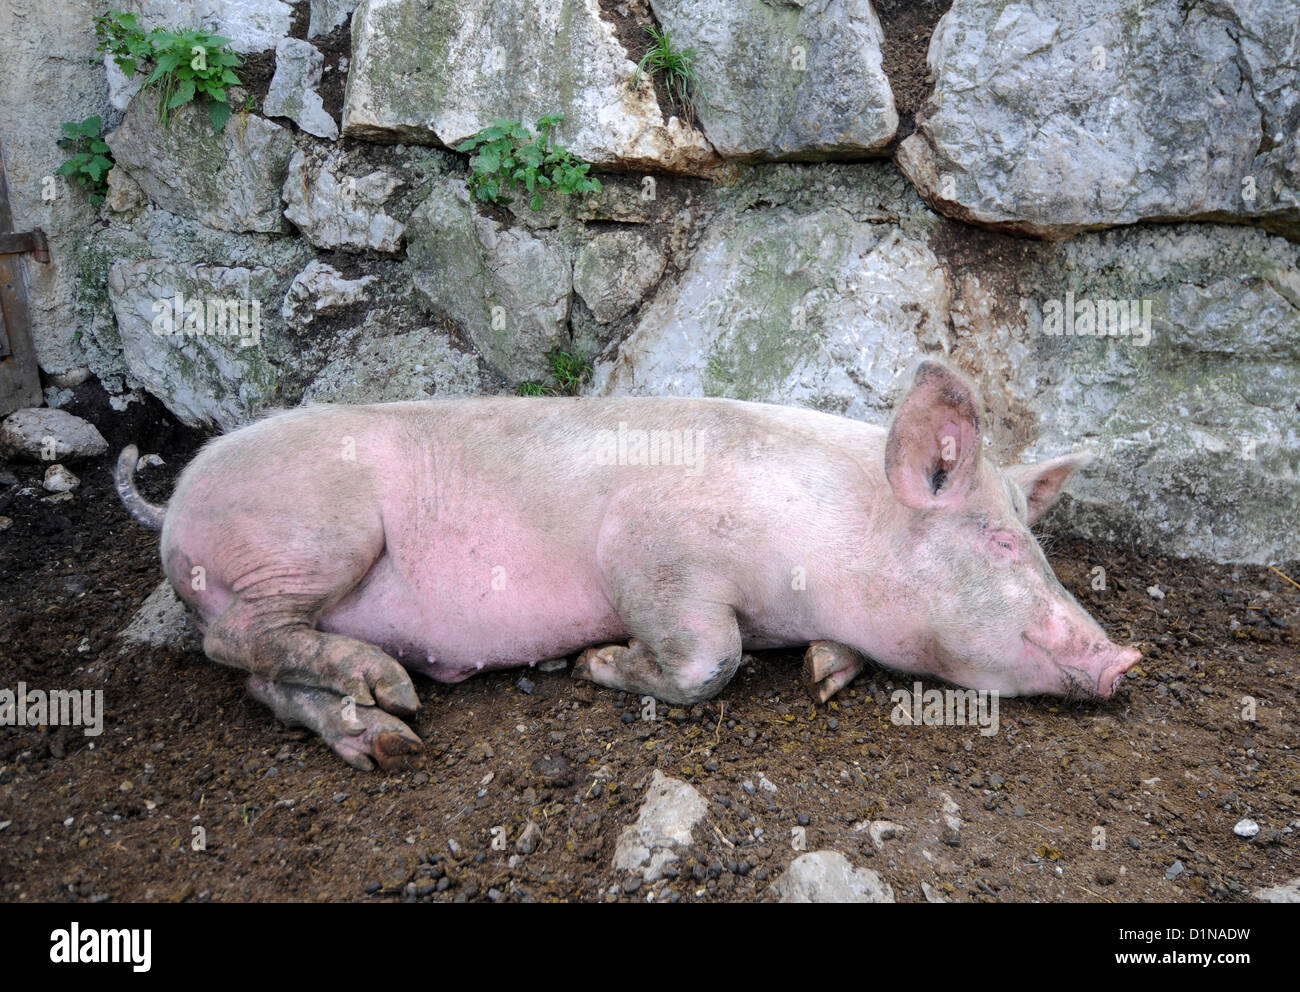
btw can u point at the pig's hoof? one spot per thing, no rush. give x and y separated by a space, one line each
828 667
383 740
594 664
363 736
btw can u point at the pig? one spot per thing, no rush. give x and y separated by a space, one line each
329 550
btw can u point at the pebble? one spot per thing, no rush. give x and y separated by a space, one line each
59 480
529 839
1174 870
748 786
526 686
553 665
1246 828
1134 843
6 523
1155 592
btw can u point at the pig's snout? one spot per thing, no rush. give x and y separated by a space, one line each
1121 660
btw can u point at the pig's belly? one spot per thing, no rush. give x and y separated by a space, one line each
463 618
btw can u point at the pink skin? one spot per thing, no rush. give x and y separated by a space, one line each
467 535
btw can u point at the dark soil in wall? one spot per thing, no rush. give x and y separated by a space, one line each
1166 767
908 25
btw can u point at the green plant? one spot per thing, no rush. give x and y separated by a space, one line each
677 65
186 64
508 154
568 369
91 158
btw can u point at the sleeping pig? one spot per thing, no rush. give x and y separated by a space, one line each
329 550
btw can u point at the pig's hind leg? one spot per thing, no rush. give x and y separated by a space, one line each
281 585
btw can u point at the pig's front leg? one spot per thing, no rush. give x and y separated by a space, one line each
357 734
683 656
828 667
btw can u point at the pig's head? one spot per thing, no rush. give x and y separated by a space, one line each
988 612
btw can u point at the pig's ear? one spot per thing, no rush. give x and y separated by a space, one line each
1042 482
933 452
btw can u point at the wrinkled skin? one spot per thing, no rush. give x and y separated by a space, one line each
328 550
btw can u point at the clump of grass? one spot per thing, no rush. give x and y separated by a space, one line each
569 371
677 66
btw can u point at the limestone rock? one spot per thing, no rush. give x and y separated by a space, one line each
192 335
40 434
293 92
613 271
508 287
464 63
320 290
230 181
668 816
1051 118
827 876
786 79
336 209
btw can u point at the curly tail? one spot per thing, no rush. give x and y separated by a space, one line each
149 514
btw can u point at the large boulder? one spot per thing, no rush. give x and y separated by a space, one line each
786 79
335 207
1051 117
441 71
801 303
193 336
509 288
230 181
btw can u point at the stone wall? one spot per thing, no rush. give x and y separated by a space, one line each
799 234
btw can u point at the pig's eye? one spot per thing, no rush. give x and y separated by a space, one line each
1005 543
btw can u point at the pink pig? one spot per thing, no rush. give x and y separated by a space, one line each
329 549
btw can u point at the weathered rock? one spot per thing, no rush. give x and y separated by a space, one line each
40 434
59 480
508 287
320 290
124 193
827 876
378 363
230 181
613 271
786 79
807 306
326 15
1195 430
192 334
162 621
251 25
464 63
293 92
669 813
1287 892
1051 118
336 209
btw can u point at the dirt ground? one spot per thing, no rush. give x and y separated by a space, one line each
1166 768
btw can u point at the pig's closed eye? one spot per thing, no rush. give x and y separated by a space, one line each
1004 544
